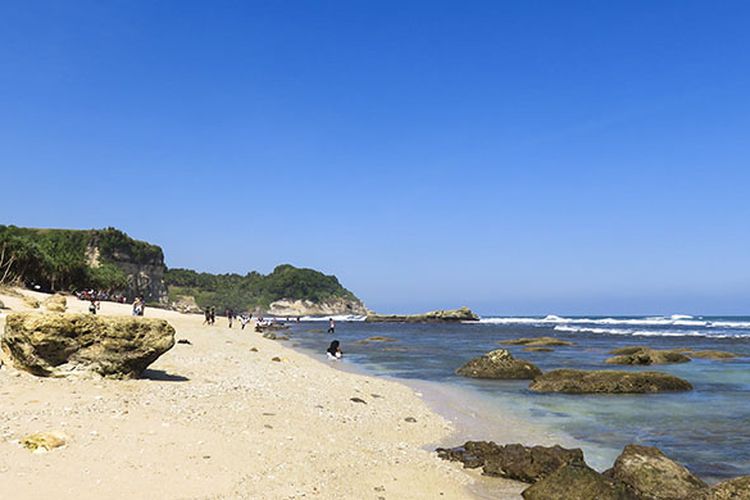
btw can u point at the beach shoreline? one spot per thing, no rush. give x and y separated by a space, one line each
218 418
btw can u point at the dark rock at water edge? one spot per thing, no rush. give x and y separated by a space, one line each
733 489
578 481
442 316
537 342
607 382
646 356
499 364
65 344
513 461
654 476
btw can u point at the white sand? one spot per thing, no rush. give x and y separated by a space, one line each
239 426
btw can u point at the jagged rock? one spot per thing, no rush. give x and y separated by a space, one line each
645 356
65 344
607 381
44 441
499 364
513 461
578 481
31 302
56 303
733 489
537 341
333 306
442 316
654 476
186 304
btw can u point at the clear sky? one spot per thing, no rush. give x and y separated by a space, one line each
517 157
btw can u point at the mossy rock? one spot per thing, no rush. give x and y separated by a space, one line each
31 302
646 356
570 381
56 303
499 364
732 489
578 481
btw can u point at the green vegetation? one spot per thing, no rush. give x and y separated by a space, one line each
254 290
59 259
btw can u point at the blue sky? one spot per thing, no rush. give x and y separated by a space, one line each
517 157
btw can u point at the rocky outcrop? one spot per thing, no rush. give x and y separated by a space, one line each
645 356
654 476
733 489
537 342
66 344
56 303
186 304
442 316
335 306
513 461
499 364
607 381
578 481
31 302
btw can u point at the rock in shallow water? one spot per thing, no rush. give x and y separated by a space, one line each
499 364
646 356
537 341
733 489
654 476
63 344
513 461
578 481
607 382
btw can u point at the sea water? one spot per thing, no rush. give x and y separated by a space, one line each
707 429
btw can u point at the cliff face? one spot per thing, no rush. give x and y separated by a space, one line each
330 307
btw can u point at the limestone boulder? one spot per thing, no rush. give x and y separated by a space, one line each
499 364
56 303
31 302
513 461
66 344
733 489
577 481
608 382
654 476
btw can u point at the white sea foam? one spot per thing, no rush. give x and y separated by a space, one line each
656 321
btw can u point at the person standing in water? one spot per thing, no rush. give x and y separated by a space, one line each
331 326
334 352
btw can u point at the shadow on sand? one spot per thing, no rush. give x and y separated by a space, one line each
162 376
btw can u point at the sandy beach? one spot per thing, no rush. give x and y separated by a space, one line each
215 419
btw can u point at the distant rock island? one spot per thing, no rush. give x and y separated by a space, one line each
442 316
109 260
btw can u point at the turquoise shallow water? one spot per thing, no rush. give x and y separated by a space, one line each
707 429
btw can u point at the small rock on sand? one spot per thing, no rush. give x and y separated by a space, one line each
276 358
358 400
44 441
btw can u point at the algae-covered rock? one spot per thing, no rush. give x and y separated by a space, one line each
513 461
607 381
537 342
31 302
654 476
499 364
646 356
538 349
376 338
442 316
44 441
64 344
577 481
733 489
56 303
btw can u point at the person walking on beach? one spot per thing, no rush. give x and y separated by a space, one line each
212 318
331 326
230 317
334 352
207 316
244 320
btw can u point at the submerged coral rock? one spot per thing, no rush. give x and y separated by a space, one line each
499 364
44 441
513 461
442 316
607 381
646 356
733 489
654 476
56 303
537 341
577 481
64 344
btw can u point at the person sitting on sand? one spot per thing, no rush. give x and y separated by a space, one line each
334 352
331 326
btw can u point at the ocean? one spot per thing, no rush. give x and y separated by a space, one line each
707 429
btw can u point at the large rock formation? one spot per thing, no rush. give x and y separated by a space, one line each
513 461
654 476
645 356
733 489
56 303
334 306
578 481
442 316
499 364
64 344
607 381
